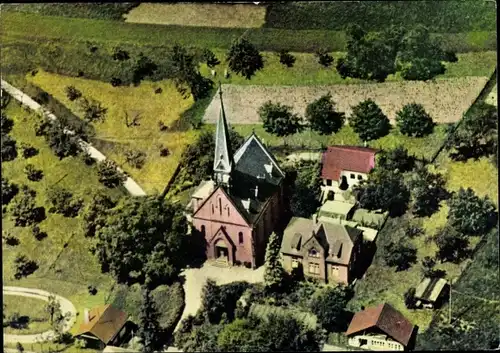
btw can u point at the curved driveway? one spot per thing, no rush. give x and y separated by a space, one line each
66 306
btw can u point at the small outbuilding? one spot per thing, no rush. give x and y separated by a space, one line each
431 292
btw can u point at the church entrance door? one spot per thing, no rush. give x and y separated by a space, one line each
221 252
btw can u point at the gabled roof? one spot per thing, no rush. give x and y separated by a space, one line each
430 289
104 322
350 158
385 318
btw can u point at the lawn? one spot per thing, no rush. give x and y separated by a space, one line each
33 26
493 97
203 15
445 100
30 308
307 71
114 138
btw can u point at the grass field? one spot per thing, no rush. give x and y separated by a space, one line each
114 138
444 100
32 308
32 27
66 266
202 15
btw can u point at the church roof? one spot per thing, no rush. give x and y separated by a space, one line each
223 153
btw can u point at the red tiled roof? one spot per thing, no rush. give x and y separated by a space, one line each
352 158
387 319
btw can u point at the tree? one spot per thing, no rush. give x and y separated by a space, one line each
220 301
32 173
62 202
400 254
368 121
477 134
210 58
413 120
73 93
143 68
286 58
428 270
470 214
383 190
452 245
140 231
240 336
135 159
397 160
150 332
9 150
306 191
428 190
324 59
244 58
93 110
53 308
109 175
94 215
420 57
4 99
329 306
61 143
29 151
198 338
7 123
120 54
322 116
410 301
23 267
19 347
24 211
9 190
279 120
274 275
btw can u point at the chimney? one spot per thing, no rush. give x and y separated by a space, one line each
256 191
86 316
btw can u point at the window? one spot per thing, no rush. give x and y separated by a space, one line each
240 237
228 212
313 253
360 177
329 182
352 176
295 263
203 230
213 210
220 206
313 268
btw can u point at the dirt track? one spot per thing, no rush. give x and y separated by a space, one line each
445 100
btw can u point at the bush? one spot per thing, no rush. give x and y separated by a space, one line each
135 159
109 175
61 143
120 55
162 126
38 234
32 173
115 82
413 120
209 57
164 152
9 190
24 211
158 90
62 202
400 254
7 123
29 151
72 93
9 150
286 58
324 59
368 121
92 110
87 159
23 267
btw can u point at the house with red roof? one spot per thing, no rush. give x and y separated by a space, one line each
346 166
381 328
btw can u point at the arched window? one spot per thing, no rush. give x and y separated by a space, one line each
240 237
220 206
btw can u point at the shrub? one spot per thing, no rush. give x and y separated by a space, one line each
29 151
9 190
400 254
109 175
24 211
162 126
62 202
72 93
120 55
11 240
158 90
115 82
9 150
7 123
32 173
61 143
324 59
413 120
135 159
368 121
164 152
87 159
209 57
23 267
38 234
286 58
92 110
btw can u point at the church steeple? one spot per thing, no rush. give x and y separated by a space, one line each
223 159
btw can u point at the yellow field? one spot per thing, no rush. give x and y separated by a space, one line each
114 138
202 15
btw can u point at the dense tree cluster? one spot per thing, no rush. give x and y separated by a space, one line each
323 117
244 58
368 121
62 202
143 239
94 215
428 191
109 175
400 254
274 275
329 304
396 160
306 190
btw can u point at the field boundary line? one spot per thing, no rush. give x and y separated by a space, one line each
132 187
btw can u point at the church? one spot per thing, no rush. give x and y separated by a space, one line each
242 204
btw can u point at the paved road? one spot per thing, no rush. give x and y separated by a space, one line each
66 306
132 187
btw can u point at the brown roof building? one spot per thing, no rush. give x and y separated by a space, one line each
380 328
103 323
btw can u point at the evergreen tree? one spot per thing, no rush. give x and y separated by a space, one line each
368 121
274 273
150 331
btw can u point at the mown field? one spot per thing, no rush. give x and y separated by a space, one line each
439 16
30 308
114 138
445 100
199 15
32 27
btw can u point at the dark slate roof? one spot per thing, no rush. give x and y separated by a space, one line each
223 154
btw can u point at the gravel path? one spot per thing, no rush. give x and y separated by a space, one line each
132 187
66 306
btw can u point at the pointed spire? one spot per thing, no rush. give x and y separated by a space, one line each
223 159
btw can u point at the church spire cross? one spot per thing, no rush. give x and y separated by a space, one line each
223 159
